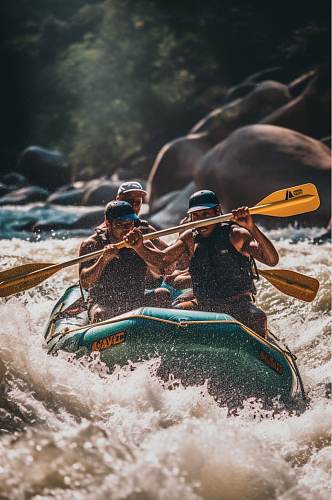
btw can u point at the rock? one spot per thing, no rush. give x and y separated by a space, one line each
44 168
4 189
100 192
256 160
89 220
309 113
14 180
163 201
263 98
60 221
326 236
174 165
70 197
249 84
24 195
175 210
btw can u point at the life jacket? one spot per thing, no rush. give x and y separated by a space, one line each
122 281
218 271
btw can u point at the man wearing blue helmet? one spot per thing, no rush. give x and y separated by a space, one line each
115 280
221 258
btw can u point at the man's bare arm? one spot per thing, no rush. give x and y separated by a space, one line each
250 241
181 247
157 242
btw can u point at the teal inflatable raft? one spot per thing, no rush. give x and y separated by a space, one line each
192 346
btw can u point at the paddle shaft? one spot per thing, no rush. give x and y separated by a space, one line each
259 209
283 203
149 236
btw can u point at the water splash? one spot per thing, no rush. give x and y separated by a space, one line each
70 429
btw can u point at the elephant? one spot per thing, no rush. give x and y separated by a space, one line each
258 159
45 168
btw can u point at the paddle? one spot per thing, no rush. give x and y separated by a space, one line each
291 283
283 203
296 285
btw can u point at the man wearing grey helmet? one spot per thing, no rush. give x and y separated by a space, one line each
221 258
132 192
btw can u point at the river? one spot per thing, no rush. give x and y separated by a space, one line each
71 430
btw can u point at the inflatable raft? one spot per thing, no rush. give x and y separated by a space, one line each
193 346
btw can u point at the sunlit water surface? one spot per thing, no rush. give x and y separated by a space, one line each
71 430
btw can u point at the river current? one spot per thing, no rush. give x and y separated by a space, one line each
72 430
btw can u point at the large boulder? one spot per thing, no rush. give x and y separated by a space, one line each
174 165
14 180
175 210
310 112
69 197
99 192
163 201
249 84
4 189
44 167
24 195
259 159
264 98
59 221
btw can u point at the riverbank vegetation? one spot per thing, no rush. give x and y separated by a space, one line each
103 79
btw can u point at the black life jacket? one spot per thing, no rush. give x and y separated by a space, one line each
218 271
122 282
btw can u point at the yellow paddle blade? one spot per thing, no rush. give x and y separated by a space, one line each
18 271
291 283
290 201
22 283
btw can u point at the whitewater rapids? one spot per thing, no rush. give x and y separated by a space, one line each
71 430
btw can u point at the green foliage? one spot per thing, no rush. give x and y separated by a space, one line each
101 79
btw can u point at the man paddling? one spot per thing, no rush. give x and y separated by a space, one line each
116 279
222 261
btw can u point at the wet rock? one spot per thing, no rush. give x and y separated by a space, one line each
325 236
259 159
24 195
61 221
43 167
